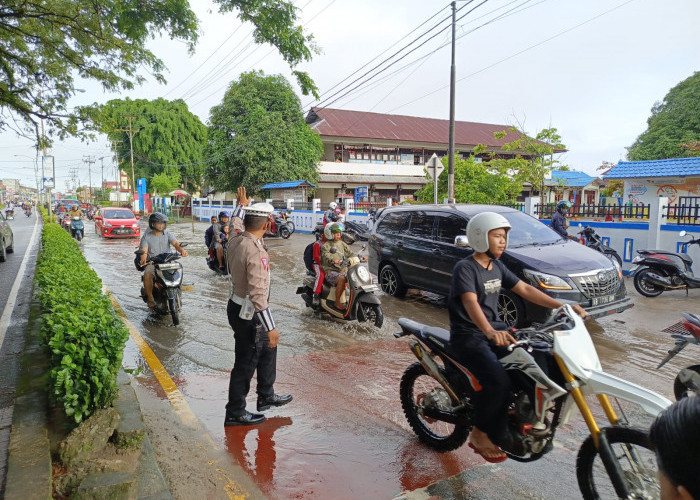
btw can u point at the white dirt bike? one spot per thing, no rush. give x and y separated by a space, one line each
613 462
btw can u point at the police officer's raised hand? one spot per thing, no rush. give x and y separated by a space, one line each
242 197
500 337
274 337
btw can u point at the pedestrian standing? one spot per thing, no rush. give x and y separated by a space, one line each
254 331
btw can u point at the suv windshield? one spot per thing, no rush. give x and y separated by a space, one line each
527 230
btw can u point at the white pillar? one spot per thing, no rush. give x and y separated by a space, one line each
656 210
389 202
530 203
316 202
268 200
290 204
349 205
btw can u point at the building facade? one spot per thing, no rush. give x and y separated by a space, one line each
373 156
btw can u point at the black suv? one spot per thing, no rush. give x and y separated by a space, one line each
414 247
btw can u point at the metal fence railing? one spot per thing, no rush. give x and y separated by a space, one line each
685 211
365 206
605 212
518 205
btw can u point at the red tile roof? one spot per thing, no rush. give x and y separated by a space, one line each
410 129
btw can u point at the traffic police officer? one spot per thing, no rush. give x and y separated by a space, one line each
254 330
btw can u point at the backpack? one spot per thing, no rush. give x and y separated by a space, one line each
309 257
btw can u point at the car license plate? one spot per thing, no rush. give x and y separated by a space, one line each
605 299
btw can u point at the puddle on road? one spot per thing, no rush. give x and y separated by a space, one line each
345 431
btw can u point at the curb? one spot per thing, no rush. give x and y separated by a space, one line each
29 470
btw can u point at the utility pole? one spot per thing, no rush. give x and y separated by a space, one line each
89 160
102 185
131 148
451 147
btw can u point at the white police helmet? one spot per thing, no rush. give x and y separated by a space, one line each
259 209
479 227
332 205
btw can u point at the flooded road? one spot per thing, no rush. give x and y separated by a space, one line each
344 435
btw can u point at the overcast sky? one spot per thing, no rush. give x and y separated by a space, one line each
592 69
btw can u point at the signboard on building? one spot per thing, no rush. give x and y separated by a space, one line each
360 194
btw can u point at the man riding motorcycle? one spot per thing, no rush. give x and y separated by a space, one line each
216 243
330 215
559 222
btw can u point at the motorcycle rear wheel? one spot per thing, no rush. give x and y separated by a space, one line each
643 286
687 382
635 457
415 386
284 233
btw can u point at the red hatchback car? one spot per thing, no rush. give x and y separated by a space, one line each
117 223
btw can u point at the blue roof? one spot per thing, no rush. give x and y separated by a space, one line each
286 185
572 178
673 167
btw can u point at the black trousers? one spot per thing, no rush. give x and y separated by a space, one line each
491 402
252 353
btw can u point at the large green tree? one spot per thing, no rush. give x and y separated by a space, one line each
475 182
45 46
258 135
168 140
673 129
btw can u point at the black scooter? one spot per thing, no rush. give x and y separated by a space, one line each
596 243
281 228
687 381
656 271
167 285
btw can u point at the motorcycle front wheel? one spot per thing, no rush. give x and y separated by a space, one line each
643 286
687 382
635 458
372 313
172 305
284 233
418 391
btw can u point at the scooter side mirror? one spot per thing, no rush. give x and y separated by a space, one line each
184 244
682 233
334 250
461 241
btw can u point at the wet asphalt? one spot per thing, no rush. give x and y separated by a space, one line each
344 435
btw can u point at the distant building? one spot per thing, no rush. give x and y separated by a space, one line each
385 155
675 178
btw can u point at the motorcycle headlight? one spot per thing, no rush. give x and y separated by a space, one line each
363 274
546 281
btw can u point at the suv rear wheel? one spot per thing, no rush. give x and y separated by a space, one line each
391 282
510 309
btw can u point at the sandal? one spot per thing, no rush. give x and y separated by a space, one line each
493 460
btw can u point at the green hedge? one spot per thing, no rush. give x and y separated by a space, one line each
80 326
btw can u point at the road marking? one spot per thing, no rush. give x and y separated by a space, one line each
177 400
12 298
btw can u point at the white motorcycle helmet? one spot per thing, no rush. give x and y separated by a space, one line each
479 227
332 205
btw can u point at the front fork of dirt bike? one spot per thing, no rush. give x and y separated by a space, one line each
600 440
432 368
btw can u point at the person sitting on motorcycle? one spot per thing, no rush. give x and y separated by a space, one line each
559 222
209 233
216 243
75 212
312 259
675 436
223 236
154 242
330 215
331 260
478 336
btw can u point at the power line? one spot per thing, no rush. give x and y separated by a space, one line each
561 33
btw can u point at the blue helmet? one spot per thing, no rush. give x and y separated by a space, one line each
224 214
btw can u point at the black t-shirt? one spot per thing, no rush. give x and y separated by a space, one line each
470 276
